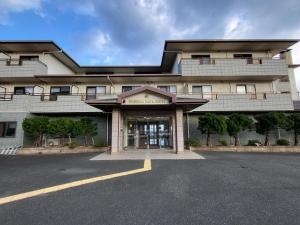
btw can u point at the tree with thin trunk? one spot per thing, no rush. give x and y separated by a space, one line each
237 123
62 128
36 127
295 126
86 127
211 123
270 121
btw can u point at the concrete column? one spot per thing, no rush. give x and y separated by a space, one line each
115 129
174 132
179 130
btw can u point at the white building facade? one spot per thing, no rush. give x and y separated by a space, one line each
146 107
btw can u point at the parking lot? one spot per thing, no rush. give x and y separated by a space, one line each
223 188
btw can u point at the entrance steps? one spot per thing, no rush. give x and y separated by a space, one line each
147 154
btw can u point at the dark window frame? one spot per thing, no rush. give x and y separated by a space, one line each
24 90
5 125
94 96
204 59
132 87
168 88
247 56
60 93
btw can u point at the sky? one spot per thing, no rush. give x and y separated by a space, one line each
132 32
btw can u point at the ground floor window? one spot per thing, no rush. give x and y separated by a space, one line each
8 129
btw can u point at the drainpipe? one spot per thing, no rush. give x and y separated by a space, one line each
111 83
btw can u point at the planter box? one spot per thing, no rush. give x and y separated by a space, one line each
247 148
60 150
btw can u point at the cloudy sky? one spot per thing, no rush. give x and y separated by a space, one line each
122 32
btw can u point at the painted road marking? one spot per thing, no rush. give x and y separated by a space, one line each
12 198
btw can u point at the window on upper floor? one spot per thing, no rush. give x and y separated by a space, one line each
8 129
60 90
129 88
248 57
29 57
94 92
205 91
203 59
168 88
245 89
23 90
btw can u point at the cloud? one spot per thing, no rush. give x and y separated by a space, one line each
17 6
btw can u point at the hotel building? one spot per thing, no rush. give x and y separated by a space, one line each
141 107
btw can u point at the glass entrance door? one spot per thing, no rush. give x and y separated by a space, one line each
149 133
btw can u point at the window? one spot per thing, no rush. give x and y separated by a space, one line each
205 91
204 59
245 88
93 92
29 57
62 90
129 88
169 88
23 90
8 129
248 57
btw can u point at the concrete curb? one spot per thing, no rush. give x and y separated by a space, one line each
294 149
62 150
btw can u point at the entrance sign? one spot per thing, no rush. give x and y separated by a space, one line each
145 99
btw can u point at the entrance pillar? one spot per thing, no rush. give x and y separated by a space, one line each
115 131
179 131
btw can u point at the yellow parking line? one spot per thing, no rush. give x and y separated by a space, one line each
12 198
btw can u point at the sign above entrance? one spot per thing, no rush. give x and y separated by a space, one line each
145 98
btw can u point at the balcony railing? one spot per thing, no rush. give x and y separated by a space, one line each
233 67
21 68
85 97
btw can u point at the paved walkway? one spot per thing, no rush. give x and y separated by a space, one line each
147 154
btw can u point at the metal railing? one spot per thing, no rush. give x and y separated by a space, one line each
212 61
86 97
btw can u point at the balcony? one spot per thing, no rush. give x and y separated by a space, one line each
45 103
262 68
21 68
79 103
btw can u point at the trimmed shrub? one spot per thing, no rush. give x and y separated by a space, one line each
254 143
282 142
73 144
100 143
223 143
193 142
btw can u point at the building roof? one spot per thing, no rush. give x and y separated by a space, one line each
171 48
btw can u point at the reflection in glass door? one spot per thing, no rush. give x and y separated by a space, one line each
149 133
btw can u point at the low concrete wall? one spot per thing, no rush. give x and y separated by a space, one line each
62 150
248 149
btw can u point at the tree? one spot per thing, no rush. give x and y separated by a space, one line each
237 123
62 128
295 126
212 123
86 128
270 121
36 127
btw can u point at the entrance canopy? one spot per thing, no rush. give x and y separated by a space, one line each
147 98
